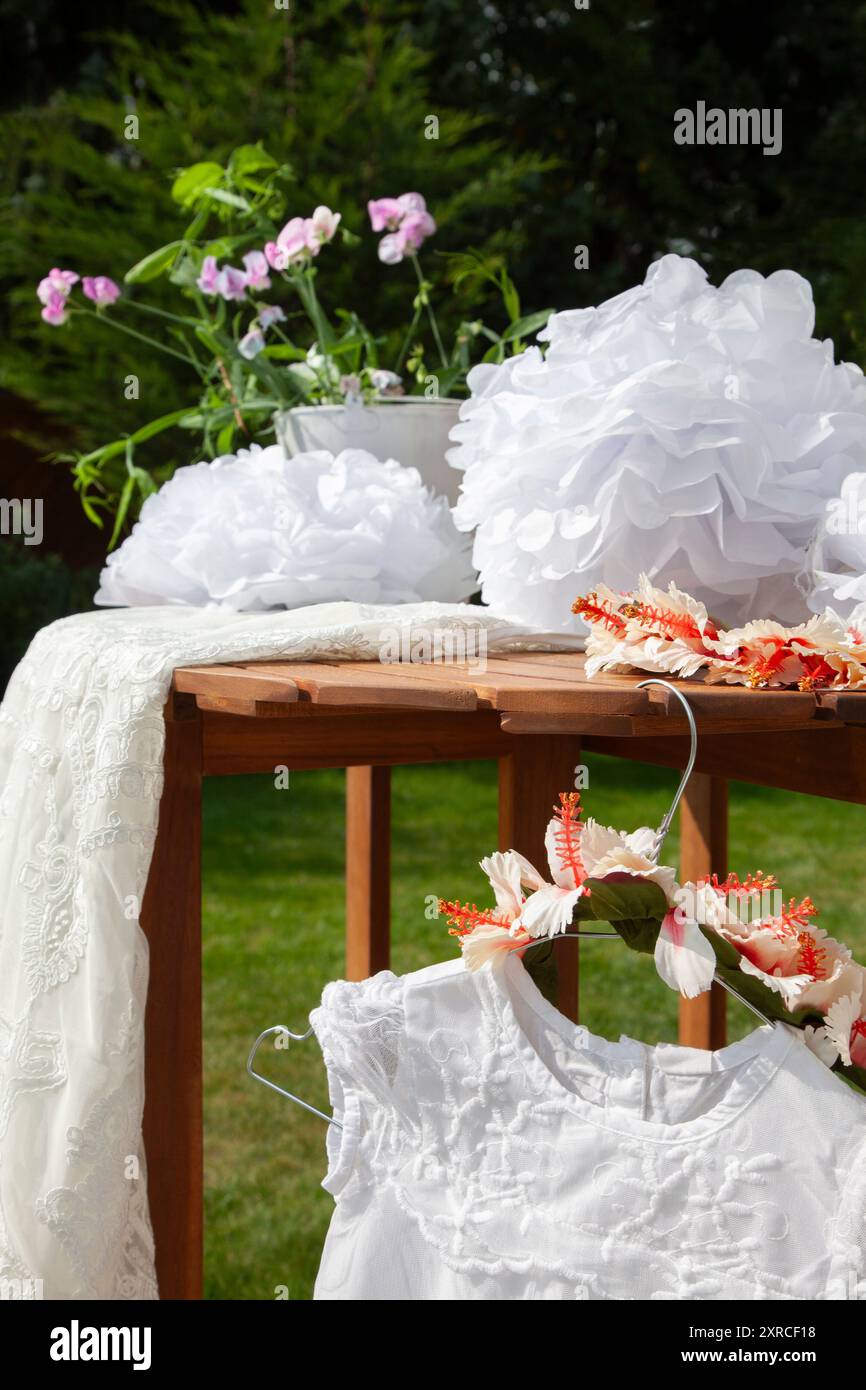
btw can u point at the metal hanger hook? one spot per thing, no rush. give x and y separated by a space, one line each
693 753
257 1076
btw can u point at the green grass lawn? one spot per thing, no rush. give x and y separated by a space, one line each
273 929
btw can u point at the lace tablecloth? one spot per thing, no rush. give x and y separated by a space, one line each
81 745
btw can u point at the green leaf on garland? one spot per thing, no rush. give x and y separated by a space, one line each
639 933
856 1075
624 900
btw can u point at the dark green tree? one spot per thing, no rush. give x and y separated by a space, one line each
598 89
337 90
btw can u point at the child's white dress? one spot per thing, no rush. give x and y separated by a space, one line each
491 1149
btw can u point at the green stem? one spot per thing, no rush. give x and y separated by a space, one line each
143 338
407 340
161 313
430 314
303 284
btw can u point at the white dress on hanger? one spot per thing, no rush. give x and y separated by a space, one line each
491 1149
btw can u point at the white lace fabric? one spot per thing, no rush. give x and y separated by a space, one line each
81 747
493 1150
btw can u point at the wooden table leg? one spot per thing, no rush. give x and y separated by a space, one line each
171 920
530 780
368 871
704 850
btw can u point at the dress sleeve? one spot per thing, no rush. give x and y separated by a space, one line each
360 1028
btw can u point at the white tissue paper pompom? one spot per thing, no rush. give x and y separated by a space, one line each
836 574
687 432
258 530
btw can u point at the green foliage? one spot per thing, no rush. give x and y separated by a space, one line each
36 589
598 88
266 851
320 104
554 129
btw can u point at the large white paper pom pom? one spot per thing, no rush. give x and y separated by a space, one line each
836 574
680 430
259 530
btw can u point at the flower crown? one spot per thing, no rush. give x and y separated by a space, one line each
672 633
741 929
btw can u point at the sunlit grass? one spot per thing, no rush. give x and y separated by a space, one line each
274 923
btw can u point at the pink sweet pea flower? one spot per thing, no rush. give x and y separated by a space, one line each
294 239
313 242
208 280
257 271
55 308
324 224
270 314
251 344
350 385
411 202
56 282
100 289
385 213
231 283
275 256
386 383
391 249
409 236
415 228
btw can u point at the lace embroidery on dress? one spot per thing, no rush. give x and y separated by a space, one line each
81 749
360 1028
504 1181
32 1060
848 1235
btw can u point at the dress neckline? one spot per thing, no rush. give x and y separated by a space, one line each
757 1057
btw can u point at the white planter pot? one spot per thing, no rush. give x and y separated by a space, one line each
412 430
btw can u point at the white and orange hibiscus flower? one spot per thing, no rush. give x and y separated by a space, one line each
684 955
530 907
517 919
845 1020
791 956
486 932
670 633
684 958
657 630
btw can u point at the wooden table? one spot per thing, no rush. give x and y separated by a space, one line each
532 712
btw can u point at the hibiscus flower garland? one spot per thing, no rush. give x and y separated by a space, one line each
672 633
742 930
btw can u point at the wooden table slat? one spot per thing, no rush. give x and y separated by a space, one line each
368 717
526 688
369 683
725 701
237 682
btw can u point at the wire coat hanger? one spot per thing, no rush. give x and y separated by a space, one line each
257 1076
659 840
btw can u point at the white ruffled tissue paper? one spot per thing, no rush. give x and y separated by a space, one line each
257 530
691 433
836 574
